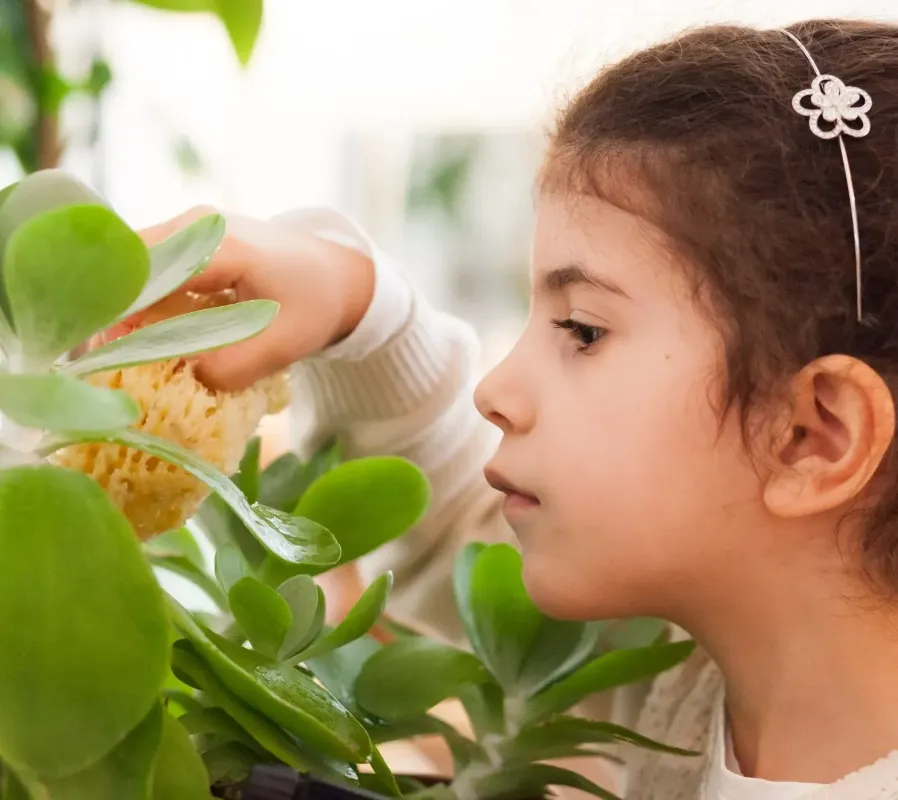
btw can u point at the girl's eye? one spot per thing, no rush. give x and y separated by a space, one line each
585 335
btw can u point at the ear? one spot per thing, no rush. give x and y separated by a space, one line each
841 426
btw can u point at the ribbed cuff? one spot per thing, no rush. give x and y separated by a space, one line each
391 381
391 302
399 355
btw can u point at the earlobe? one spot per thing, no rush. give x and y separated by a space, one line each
841 425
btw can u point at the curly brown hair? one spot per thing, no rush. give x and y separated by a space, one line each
698 136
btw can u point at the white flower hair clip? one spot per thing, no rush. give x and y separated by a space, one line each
836 104
844 110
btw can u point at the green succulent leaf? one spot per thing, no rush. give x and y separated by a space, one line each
357 622
339 669
9 343
68 273
409 677
364 503
463 750
216 721
506 622
636 632
327 457
57 403
177 551
292 539
484 703
282 482
617 668
37 193
571 732
184 335
367 502
71 689
178 258
243 21
259 728
247 477
492 601
179 703
397 629
177 543
439 791
253 718
532 780
284 694
182 566
230 763
224 527
384 775
10 786
126 771
461 584
302 595
180 771
230 566
262 613
559 648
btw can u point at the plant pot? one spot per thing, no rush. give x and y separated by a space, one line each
277 782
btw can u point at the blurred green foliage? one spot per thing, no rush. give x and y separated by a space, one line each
32 89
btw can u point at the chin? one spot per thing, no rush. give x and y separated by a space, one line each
560 594
554 595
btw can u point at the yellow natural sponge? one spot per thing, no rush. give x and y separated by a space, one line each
154 495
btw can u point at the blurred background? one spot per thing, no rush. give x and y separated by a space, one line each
423 119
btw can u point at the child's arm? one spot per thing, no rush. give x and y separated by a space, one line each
402 383
376 366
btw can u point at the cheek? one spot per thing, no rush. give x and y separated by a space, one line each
641 477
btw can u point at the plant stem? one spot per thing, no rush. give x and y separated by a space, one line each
47 145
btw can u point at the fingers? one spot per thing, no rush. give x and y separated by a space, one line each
157 233
227 266
225 271
238 366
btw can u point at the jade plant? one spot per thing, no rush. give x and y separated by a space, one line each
517 679
270 618
87 636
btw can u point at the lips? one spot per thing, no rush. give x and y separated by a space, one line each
517 499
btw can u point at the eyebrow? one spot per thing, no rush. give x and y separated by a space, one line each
560 278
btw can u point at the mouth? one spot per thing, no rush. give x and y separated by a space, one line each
517 499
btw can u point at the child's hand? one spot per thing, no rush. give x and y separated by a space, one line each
323 289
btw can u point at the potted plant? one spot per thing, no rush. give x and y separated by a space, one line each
111 688
519 675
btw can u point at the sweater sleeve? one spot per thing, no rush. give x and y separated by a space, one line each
402 384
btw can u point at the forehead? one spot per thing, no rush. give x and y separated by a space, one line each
585 229
604 240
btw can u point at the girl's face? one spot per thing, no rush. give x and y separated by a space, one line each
626 491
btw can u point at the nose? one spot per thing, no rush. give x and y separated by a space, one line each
503 398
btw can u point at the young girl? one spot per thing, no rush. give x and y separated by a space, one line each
698 421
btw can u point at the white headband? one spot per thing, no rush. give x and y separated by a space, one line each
837 104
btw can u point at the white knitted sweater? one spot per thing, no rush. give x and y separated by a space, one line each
403 383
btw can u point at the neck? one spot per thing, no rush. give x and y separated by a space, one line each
810 673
